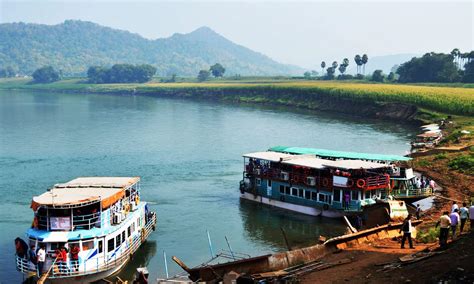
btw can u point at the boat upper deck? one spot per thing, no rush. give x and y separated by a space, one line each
338 154
85 190
311 161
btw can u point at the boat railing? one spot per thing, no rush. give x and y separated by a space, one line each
74 268
412 192
377 182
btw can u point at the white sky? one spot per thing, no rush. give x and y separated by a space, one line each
295 32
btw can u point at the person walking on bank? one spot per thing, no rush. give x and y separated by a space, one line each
444 223
464 214
41 255
455 220
454 207
418 212
471 217
407 229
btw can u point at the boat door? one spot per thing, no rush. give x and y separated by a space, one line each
269 188
100 251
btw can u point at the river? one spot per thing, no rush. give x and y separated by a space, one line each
188 155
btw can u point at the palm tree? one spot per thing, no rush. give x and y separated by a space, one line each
323 65
357 60
334 65
365 59
345 62
342 68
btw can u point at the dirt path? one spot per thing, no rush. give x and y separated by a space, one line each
378 262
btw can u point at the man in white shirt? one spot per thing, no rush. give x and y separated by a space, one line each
454 207
41 254
471 216
407 228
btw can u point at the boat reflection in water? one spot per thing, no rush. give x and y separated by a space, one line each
141 258
263 224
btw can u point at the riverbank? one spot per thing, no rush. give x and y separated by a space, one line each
391 101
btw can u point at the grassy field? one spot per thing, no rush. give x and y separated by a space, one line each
446 99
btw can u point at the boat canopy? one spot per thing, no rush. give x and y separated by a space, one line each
106 190
354 164
338 154
268 156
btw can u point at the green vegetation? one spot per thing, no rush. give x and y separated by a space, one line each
378 76
429 236
121 73
74 46
8 72
463 163
46 74
306 94
217 70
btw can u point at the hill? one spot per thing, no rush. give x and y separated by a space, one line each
73 46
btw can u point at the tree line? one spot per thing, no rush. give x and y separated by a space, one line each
217 70
121 73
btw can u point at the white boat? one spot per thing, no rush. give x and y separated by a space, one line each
102 216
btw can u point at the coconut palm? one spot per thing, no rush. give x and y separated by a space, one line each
345 62
358 61
334 65
365 59
455 53
342 68
323 65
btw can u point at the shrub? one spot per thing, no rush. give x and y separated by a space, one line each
428 236
46 74
463 163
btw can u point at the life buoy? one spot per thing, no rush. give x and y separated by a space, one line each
325 207
350 182
325 182
360 183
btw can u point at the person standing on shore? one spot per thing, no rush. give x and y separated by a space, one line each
444 223
464 214
407 228
455 220
471 217
454 207
418 211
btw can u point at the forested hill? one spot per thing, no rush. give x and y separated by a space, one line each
73 46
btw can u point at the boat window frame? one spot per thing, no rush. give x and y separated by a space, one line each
307 194
287 190
258 182
301 193
293 190
111 247
282 189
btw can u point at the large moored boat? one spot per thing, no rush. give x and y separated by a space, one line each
324 182
99 219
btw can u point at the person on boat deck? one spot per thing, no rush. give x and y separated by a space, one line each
444 223
75 257
464 214
455 220
32 255
407 229
61 260
455 206
347 200
41 257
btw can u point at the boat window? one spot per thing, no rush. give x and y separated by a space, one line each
287 190
133 226
307 194
321 197
110 245
123 236
314 195
269 183
337 195
258 181
117 241
301 193
355 195
294 191
138 222
129 231
86 245
282 189
100 246
367 194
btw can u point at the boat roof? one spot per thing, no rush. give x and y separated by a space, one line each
338 154
311 161
107 190
429 134
268 156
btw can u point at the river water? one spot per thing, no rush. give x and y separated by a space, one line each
188 155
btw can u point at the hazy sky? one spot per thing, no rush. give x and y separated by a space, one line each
301 33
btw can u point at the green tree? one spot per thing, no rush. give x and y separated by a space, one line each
468 76
334 65
391 76
323 65
431 67
342 68
45 74
345 62
455 53
314 73
203 75
330 73
307 75
364 59
378 76
217 70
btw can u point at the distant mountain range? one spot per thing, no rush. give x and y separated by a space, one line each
73 46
